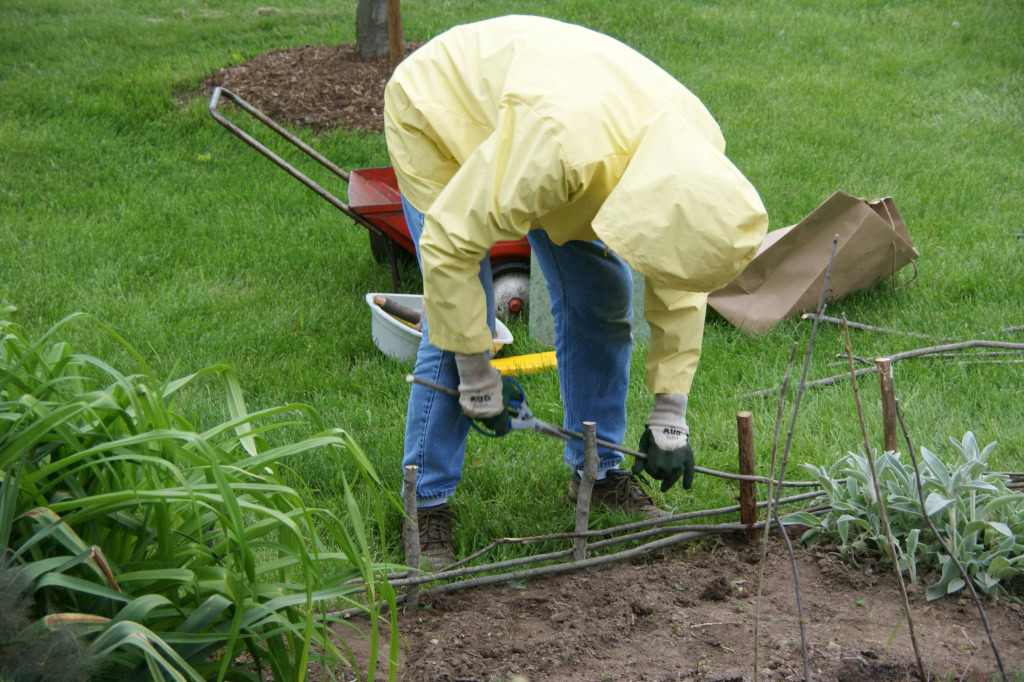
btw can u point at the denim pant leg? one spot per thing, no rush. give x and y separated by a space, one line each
435 427
591 292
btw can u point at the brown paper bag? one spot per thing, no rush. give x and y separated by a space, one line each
786 275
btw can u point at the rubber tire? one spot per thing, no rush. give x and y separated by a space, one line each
511 280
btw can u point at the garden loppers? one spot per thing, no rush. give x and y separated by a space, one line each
521 418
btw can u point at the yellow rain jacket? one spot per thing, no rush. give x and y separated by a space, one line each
519 123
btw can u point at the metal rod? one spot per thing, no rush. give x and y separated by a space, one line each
324 194
219 91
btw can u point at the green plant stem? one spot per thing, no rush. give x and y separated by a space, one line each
881 509
945 547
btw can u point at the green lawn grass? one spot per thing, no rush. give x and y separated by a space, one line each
121 197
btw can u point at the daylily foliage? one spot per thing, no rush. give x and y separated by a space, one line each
174 553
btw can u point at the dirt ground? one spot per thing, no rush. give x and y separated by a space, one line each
688 614
682 614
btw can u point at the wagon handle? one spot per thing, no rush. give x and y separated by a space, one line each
295 173
291 170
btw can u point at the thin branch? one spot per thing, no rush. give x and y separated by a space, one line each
965 363
396 579
868 327
543 570
785 458
947 356
843 356
1010 330
450 570
827 381
565 567
945 547
768 516
895 357
963 345
882 512
756 479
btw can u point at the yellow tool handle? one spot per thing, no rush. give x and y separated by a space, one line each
525 364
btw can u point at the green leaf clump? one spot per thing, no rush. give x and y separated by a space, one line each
168 551
980 518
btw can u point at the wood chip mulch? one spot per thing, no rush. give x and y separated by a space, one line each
319 86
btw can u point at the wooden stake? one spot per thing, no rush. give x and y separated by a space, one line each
889 423
579 545
396 38
748 492
411 536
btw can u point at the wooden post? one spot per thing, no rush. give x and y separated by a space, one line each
748 489
396 38
411 536
579 545
889 422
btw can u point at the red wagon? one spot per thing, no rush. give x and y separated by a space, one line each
375 203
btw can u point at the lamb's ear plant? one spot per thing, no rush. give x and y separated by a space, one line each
981 518
172 553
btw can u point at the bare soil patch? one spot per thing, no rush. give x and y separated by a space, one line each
689 615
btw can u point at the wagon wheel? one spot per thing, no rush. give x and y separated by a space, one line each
511 289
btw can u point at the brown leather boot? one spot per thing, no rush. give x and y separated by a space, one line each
435 530
620 490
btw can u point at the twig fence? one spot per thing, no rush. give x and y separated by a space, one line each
582 538
585 541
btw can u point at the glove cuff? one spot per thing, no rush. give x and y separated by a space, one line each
476 372
668 421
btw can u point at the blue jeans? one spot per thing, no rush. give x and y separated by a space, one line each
591 302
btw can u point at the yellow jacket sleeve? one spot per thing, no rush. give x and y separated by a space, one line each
676 319
509 181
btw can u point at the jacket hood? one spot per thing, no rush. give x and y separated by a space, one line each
682 214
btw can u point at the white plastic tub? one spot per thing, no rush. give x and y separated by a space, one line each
396 339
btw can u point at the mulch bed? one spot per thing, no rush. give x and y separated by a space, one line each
319 86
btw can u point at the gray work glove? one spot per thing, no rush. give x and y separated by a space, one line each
480 392
665 442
